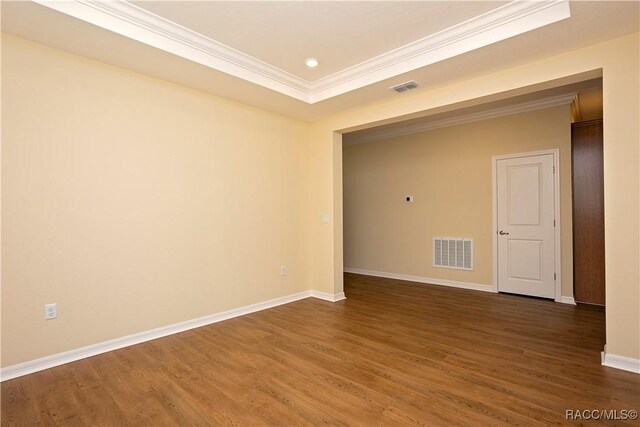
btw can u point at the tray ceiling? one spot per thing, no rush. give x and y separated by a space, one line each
445 32
340 34
253 52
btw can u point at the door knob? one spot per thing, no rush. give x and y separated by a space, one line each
502 233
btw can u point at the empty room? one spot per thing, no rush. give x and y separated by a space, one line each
320 212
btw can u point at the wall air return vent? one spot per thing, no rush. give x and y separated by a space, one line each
453 252
403 87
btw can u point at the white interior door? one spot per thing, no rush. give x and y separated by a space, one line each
526 210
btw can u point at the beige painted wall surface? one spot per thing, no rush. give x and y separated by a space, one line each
449 173
619 61
105 155
133 203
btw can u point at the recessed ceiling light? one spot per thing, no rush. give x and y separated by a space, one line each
311 62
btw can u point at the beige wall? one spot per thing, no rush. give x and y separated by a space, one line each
449 173
133 203
210 196
619 61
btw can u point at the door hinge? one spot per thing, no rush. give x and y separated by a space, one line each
554 276
554 169
554 222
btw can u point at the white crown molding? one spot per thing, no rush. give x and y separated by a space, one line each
127 19
512 19
422 280
47 362
459 120
620 362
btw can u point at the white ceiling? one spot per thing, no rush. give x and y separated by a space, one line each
343 34
127 19
339 34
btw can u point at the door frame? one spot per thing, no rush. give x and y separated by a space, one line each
556 200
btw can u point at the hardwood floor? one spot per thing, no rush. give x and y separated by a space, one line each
394 353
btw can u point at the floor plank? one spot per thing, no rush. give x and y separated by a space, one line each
393 353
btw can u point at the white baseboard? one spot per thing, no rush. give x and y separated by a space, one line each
441 282
328 297
620 362
567 300
47 362
420 279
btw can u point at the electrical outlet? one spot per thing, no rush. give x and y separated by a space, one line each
283 270
50 311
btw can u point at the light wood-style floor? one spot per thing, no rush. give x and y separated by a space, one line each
394 353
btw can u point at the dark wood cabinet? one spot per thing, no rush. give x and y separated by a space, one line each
588 212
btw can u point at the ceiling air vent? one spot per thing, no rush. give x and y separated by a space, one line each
403 87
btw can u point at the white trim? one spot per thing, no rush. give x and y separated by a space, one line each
421 279
556 183
47 362
567 300
328 297
507 21
129 20
463 119
620 362
558 227
494 224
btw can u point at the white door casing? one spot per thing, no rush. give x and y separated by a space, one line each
526 227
